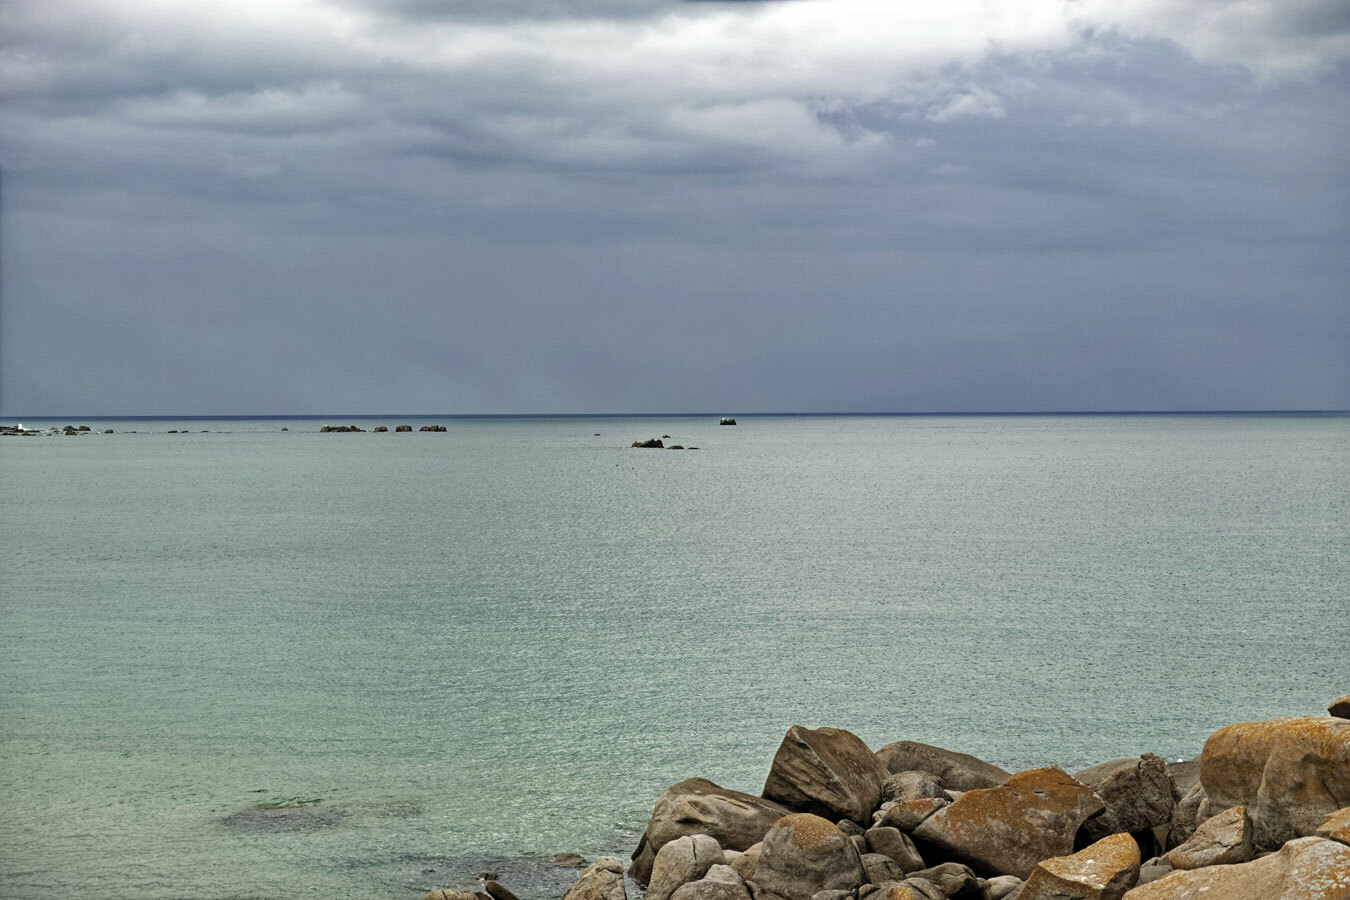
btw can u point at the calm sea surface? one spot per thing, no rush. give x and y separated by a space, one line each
503 641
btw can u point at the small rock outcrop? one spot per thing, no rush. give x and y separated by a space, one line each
804 854
735 820
727 420
432 428
1289 774
1139 795
1007 830
601 880
1222 840
956 771
381 428
1309 868
1103 871
681 861
652 443
403 428
827 771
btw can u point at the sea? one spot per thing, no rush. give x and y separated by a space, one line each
253 660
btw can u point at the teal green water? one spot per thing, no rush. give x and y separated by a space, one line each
505 640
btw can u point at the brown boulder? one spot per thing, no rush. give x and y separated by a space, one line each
1222 840
1006 830
905 786
826 771
896 844
1336 826
1289 773
1103 871
956 771
1340 707
908 814
1304 869
697 806
601 880
1139 795
804 854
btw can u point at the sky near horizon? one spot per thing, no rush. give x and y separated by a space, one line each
534 206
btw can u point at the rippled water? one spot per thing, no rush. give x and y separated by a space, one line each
503 641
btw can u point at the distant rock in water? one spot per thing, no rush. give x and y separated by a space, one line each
727 420
432 428
381 428
327 429
650 442
403 428
286 815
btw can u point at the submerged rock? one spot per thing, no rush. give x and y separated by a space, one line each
303 815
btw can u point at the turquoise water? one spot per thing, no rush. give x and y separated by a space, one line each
504 640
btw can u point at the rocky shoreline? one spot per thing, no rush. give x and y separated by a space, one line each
1262 814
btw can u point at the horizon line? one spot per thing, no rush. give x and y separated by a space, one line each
686 415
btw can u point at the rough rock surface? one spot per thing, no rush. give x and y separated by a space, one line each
1289 773
880 868
1336 826
908 814
1139 794
745 863
953 879
1340 707
1000 887
601 880
1185 775
1102 871
957 771
896 844
448 894
904 786
1006 830
804 854
827 771
1304 869
720 883
1222 840
1186 816
681 861
697 806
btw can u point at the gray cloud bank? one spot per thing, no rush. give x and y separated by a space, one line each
303 206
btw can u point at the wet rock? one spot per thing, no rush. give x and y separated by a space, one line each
905 786
1308 868
497 891
107 431
1103 871
654 443
804 854
601 880
735 820
906 816
720 883
827 771
402 428
1340 707
1006 830
1336 826
681 861
727 420
1222 840
896 844
1139 795
381 428
432 428
956 771
1289 774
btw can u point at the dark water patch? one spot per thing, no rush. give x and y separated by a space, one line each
286 818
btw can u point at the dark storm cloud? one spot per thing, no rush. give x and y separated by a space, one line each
377 205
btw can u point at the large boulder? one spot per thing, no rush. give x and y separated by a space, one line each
1006 830
1139 795
804 854
826 771
681 861
1304 869
1103 871
1336 826
601 880
697 806
1289 773
956 771
1222 840
720 883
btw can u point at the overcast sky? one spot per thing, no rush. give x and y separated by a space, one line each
476 206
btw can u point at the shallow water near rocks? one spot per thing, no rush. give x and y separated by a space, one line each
478 648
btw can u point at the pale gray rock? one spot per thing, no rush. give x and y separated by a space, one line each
954 879
1000 887
913 785
730 856
697 806
896 844
1153 870
956 771
826 771
1139 795
1221 840
601 880
681 861
720 883
804 854
746 862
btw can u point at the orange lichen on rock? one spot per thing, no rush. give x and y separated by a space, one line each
1102 871
1336 826
808 831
